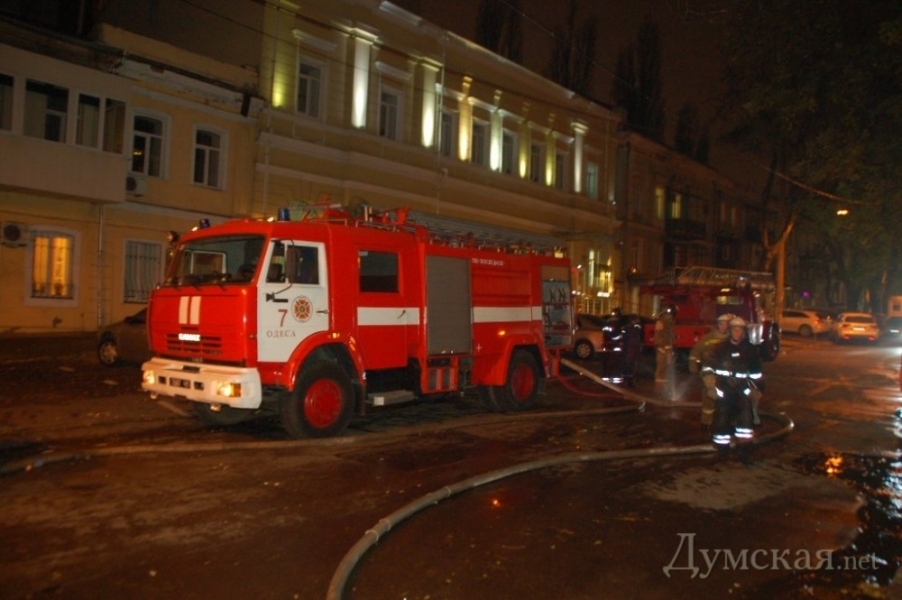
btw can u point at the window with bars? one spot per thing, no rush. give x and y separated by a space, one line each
53 265
143 266
207 154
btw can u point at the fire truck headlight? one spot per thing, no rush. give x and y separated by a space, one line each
149 377
229 390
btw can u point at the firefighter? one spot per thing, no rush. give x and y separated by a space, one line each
698 362
613 363
737 369
633 337
664 345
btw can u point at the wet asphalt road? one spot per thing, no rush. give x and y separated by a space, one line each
109 495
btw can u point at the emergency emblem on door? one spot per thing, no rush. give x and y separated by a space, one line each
301 309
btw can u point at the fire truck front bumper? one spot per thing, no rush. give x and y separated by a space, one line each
211 384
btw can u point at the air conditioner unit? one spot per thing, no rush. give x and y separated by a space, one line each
13 234
136 185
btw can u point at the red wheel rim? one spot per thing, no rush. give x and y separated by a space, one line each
523 382
323 403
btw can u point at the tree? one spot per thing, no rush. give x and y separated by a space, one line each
574 49
637 82
499 28
816 86
690 137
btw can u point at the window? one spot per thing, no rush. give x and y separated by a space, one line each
508 147
87 127
676 206
479 151
113 126
535 162
207 154
389 113
147 148
52 266
560 175
302 265
592 181
310 80
46 107
447 139
660 197
143 266
6 102
378 271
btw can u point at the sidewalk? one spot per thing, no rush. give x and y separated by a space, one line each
27 346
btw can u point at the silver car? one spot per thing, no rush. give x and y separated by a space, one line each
804 322
589 337
125 341
851 326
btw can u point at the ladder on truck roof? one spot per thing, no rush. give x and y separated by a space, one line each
453 231
440 229
713 277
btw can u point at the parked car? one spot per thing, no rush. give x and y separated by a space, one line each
589 337
892 328
125 341
850 326
805 322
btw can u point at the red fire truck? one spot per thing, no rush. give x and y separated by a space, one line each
701 294
314 319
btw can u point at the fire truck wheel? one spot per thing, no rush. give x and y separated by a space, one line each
225 416
108 352
583 349
489 398
519 393
322 403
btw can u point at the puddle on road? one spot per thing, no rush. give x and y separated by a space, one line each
879 481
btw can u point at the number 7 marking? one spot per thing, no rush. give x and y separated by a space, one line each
284 312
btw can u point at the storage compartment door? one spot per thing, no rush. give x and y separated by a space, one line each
449 327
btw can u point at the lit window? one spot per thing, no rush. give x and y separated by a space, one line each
6 102
310 79
46 107
389 114
147 148
52 266
143 266
207 154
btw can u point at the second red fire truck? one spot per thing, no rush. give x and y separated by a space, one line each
317 318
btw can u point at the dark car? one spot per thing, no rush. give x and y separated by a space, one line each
892 328
125 341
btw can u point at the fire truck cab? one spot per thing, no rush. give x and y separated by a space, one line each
701 294
316 319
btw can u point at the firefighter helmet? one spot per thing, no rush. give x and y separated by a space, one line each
726 317
738 322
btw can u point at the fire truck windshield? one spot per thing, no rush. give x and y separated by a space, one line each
220 260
